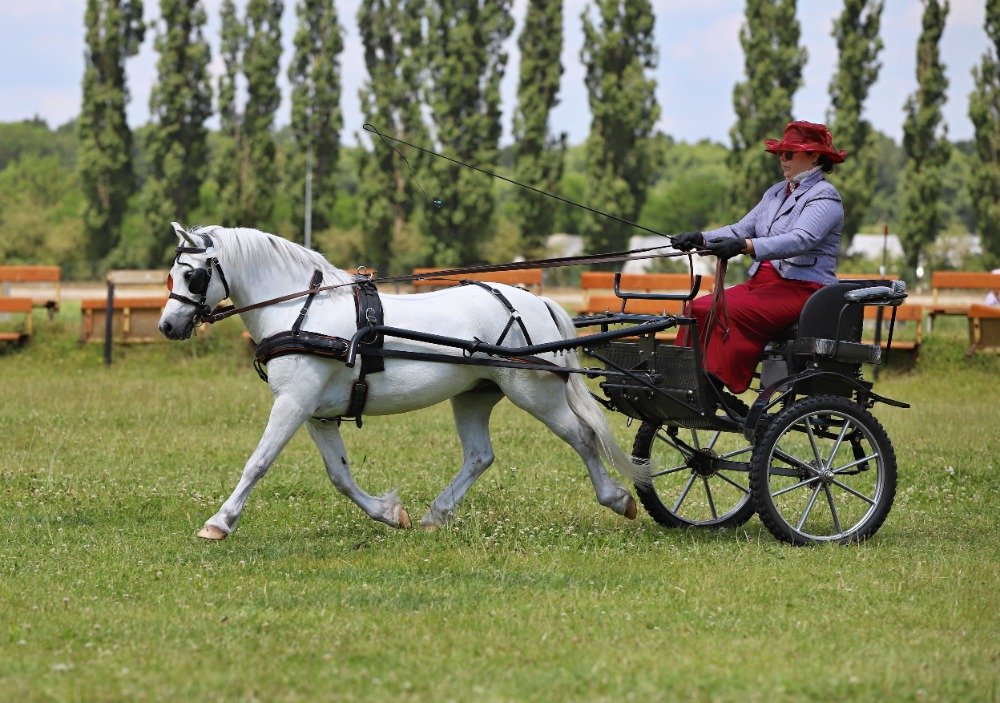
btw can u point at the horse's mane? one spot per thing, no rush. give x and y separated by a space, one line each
246 248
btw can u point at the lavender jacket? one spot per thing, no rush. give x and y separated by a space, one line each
799 234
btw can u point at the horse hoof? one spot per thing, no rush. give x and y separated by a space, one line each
403 519
630 510
429 526
211 532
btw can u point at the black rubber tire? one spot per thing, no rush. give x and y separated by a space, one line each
804 436
738 506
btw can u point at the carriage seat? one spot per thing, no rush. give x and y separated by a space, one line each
828 333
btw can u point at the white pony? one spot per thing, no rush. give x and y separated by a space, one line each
252 266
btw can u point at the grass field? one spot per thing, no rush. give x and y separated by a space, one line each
536 593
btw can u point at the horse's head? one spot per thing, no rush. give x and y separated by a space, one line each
196 284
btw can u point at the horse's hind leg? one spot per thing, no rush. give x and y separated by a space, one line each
385 508
548 402
472 419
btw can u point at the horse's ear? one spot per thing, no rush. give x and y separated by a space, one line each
182 234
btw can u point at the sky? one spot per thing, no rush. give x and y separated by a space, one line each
700 60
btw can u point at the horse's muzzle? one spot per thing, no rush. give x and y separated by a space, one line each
175 332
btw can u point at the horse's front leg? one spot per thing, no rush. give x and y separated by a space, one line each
287 415
385 508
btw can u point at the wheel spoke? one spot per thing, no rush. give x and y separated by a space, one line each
809 507
687 487
674 444
836 444
731 482
833 510
657 474
715 438
812 440
735 452
792 461
854 463
800 484
854 492
711 503
694 439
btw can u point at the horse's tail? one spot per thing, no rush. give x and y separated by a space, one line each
586 408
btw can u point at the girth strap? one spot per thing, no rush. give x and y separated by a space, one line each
370 314
369 309
515 316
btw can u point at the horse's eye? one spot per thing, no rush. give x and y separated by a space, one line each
170 282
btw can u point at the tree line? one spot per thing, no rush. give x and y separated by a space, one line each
94 194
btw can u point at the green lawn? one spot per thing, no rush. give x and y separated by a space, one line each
536 593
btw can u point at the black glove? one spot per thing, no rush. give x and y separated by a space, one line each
727 248
688 241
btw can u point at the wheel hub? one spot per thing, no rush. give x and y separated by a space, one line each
703 462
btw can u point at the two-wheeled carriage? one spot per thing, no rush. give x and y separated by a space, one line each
807 455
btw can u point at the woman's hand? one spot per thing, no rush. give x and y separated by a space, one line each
688 241
727 248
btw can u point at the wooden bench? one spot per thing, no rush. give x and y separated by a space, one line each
530 279
22 306
908 333
946 285
599 297
135 312
984 328
44 281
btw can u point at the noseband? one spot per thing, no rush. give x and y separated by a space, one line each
199 279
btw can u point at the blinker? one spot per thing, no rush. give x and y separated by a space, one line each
198 281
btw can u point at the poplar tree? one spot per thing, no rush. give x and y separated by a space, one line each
773 63
617 53
856 32
925 140
465 69
392 32
539 156
984 110
261 57
179 104
227 160
316 116
114 32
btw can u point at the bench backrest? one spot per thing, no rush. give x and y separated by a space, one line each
943 281
29 274
32 274
605 300
138 277
529 278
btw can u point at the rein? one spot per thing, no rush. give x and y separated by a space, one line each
447 274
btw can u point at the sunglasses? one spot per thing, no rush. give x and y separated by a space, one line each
789 155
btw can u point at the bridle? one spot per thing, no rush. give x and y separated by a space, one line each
198 279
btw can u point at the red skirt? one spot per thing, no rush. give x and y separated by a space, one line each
758 311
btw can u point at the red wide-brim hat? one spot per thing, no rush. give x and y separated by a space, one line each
806 136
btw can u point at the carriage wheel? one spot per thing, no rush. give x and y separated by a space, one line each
823 471
700 477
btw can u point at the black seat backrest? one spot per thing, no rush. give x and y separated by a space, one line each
821 315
